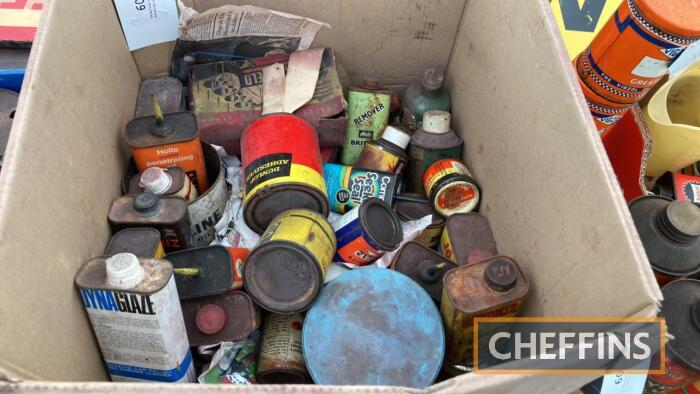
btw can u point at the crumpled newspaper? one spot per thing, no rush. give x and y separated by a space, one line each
233 362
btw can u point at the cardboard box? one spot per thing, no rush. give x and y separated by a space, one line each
549 190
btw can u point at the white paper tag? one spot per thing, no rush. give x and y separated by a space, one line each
147 22
619 383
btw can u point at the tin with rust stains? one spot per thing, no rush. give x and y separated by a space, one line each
424 266
281 359
411 206
224 317
282 169
490 288
284 272
213 270
349 186
167 214
368 115
140 241
467 238
168 92
387 153
605 113
163 182
366 232
450 187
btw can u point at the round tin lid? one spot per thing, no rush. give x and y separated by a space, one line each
357 332
396 136
684 217
456 194
269 202
211 318
381 223
680 307
677 17
145 202
501 275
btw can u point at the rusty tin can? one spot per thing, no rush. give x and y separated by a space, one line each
411 206
366 232
349 186
282 169
450 187
368 114
208 270
223 317
387 153
284 272
681 309
168 92
490 288
424 266
167 214
140 241
163 182
467 238
281 359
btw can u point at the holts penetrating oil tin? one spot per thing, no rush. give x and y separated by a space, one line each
281 359
366 232
387 153
140 241
368 114
349 186
168 92
450 187
282 169
410 206
490 288
133 307
212 270
284 272
223 317
467 238
167 214
424 266
681 309
163 182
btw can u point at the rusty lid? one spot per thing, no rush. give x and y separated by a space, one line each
93 275
141 241
177 127
270 201
211 318
414 210
215 271
423 265
677 17
681 308
501 275
230 316
381 223
177 176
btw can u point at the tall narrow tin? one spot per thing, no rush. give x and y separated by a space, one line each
349 186
368 114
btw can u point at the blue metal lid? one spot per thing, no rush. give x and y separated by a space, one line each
373 326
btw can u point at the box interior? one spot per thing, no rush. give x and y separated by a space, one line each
549 190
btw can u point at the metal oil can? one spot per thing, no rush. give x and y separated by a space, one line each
284 272
411 206
133 307
168 93
467 238
490 288
223 317
167 214
163 182
368 114
349 186
141 241
424 266
281 359
208 270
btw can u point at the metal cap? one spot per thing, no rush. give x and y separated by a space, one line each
432 79
124 271
436 122
146 202
430 272
684 217
396 136
155 180
211 318
501 275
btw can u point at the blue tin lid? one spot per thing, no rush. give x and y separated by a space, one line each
373 326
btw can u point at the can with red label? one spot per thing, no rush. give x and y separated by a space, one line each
450 187
282 169
678 186
366 232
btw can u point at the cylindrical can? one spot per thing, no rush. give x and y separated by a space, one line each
467 238
366 232
141 241
450 187
411 206
284 272
349 186
223 317
135 312
368 114
170 143
387 153
215 267
281 359
424 266
163 182
206 210
605 113
681 309
282 169
494 287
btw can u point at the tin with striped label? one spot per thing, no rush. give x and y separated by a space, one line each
281 358
349 186
450 187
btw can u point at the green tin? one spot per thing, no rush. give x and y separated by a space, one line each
368 114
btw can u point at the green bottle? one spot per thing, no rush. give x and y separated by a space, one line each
424 95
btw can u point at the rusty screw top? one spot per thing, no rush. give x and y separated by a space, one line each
146 203
501 275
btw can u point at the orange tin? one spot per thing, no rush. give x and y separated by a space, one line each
605 113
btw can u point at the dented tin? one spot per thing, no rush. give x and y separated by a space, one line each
140 241
217 270
349 186
450 187
467 238
281 359
168 92
424 266
163 182
368 114
411 206
224 317
284 272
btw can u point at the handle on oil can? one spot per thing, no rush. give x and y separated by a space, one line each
191 272
430 273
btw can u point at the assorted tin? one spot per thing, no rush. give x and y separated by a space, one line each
368 114
281 358
411 206
387 153
167 91
451 188
140 241
424 266
208 270
163 182
467 238
223 317
349 186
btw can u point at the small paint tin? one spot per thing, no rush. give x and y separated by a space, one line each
285 270
387 153
168 92
163 182
368 114
140 241
281 359
494 288
411 206
217 270
224 317
467 238
366 232
349 186
373 326
424 266
282 169
451 188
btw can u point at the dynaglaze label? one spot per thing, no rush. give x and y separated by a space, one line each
142 336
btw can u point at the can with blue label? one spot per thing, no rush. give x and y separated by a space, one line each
135 313
349 186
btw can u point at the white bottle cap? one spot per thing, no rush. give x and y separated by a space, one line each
124 271
436 122
396 136
155 180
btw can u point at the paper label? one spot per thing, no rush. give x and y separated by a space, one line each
651 68
147 22
620 383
